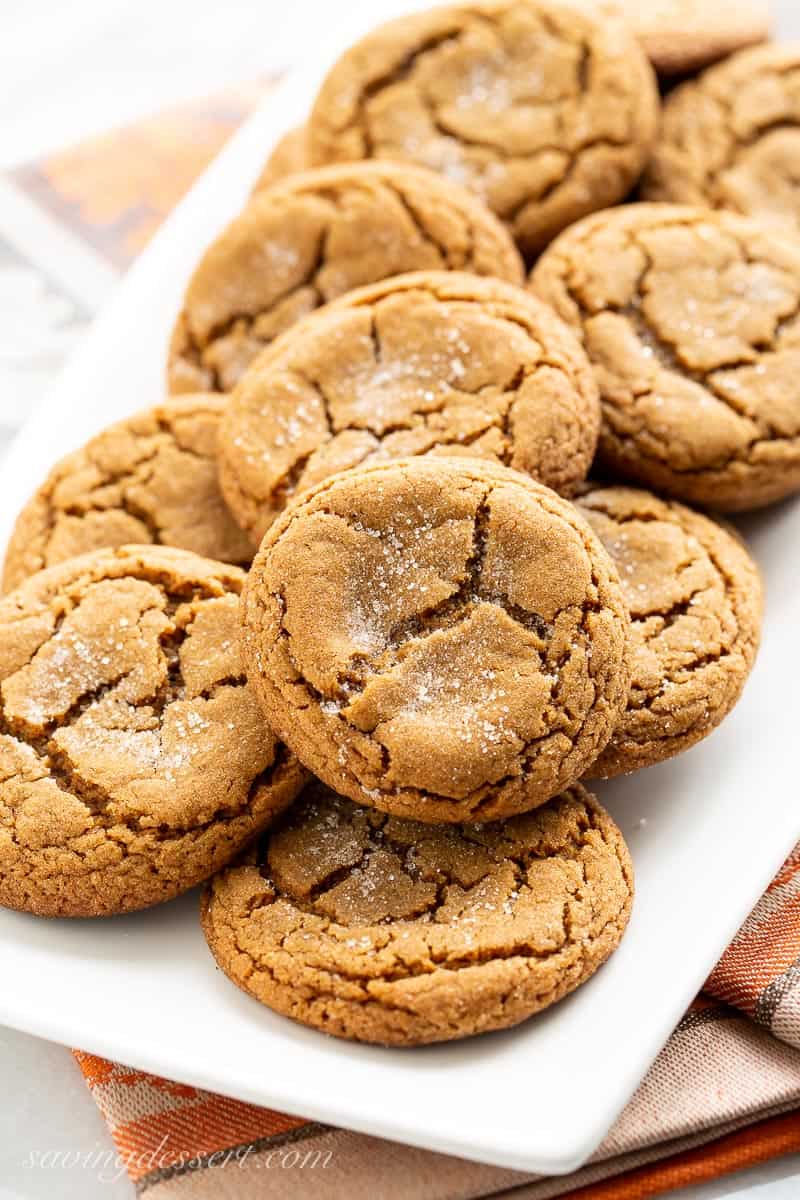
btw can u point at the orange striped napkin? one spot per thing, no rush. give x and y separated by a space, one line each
723 1094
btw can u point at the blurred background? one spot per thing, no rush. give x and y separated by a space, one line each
72 70
172 80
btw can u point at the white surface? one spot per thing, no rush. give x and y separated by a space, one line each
143 988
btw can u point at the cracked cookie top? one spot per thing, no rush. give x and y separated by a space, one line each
134 759
385 930
151 478
313 237
694 596
731 138
680 36
691 320
434 362
443 639
544 110
289 157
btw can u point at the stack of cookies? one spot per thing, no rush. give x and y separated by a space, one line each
344 624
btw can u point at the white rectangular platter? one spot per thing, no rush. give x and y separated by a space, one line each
706 831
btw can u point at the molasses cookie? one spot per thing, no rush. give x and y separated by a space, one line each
694 595
312 238
681 36
443 639
437 362
382 930
134 759
691 319
151 478
543 109
731 138
288 158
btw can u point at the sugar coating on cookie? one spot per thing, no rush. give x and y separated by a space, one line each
679 36
731 138
289 157
691 320
443 639
694 595
134 759
150 478
379 929
543 109
313 237
429 363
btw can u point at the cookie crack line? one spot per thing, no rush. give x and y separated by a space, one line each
668 351
572 156
742 145
109 479
571 850
418 419
246 320
54 758
542 999
469 594
682 607
97 800
486 421
711 469
424 413
697 679
395 191
426 235
513 924
320 698
671 614
737 145
403 71
514 212
398 74
710 658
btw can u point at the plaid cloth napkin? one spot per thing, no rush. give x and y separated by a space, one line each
725 1091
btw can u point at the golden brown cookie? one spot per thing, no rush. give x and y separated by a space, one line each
731 138
691 319
289 157
543 109
314 237
680 36
377 929
134 759
434 362
694 595
151 478
440 638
